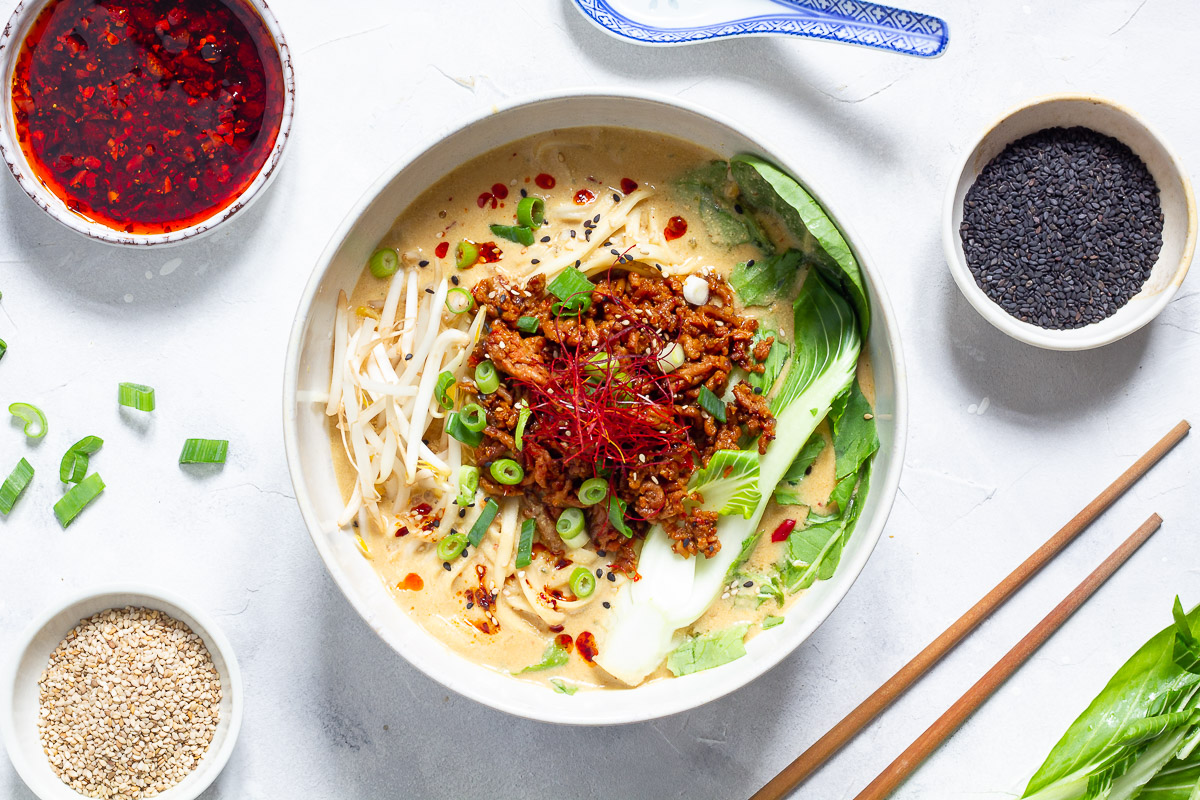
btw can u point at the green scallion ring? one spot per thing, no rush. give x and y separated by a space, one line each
583 582
136 396
570 523
451 547
466 254
507 472
531 212
384 262
487 380
468 484
459 301
593 491
473 417
32 416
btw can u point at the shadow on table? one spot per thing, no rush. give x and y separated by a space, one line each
126 280
765 63
385 724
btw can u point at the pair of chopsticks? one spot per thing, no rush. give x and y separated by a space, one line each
895 774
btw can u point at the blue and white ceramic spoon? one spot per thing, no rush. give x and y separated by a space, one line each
672 22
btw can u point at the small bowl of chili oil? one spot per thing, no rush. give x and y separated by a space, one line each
144 122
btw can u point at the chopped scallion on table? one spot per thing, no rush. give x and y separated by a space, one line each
204 451
3 348
525 544
74 464
14 485
135 396
32 416
77 498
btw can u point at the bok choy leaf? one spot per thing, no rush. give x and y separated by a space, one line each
729 484
674 591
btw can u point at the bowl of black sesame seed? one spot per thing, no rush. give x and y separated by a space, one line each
1070 224
122 693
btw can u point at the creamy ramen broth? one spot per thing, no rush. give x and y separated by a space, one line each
485 191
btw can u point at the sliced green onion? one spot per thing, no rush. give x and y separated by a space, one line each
671 357
574 290
711 403
514 233
507 472
451 547
616 516
384 262
3 348
571 308
459 301
525 544
136 396
74 464
592 491
522 419
483 522
77 498
13 485
466 254
487 380
468 484
528 324
32 416
456 428
204 451
444 381
583 583
473 417
531 212
571 528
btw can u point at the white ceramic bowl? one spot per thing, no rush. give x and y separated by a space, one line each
19 688
11 37
306 429
1178 207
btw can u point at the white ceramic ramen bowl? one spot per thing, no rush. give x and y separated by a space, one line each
1178 208
11 37
30 655
306 430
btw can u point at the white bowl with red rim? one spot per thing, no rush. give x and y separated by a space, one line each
306 428
11 38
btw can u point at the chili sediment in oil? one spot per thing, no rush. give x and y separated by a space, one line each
148 116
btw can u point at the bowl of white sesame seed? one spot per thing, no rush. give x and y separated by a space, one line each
122 693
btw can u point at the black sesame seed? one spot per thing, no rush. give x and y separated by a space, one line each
750 263
535 261
572 233
607 604
599 572
758 390
454 279
462 512
616 197
422 263
748 584
577 263
429 291
615 251
612 577
446 566
602 553
408 356
524 193
470 605
595 219
545 239
738 208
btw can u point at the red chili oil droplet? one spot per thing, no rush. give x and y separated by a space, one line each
422 509
484 199
628 186
545 181
557 628
412 583
586 643
583 197
784 530
142 124
489 253
500 190
402 531
442 249
676 227
565 642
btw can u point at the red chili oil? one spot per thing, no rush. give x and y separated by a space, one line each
442 249
676 227
784 530
489 253
628 186
145 115
564 641
585 643
499 191
412 583
545 181
583 197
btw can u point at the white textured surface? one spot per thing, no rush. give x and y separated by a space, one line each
1006 442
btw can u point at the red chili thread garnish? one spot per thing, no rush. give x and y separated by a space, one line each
586 643
489 253
442 250
147 123
784 530
583 197
628 186
500 190
676 227
412 583
565 642
545 181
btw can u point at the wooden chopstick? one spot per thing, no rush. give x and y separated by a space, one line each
812 759
939 731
